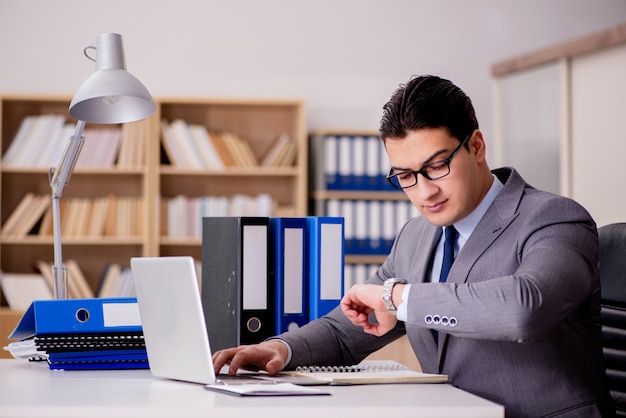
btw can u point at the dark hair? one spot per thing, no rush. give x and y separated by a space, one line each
428 102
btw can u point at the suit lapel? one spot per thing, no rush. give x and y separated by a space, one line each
498 217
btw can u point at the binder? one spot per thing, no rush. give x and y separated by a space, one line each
326 264
358 163
237 290
290 265
82 334
71 316
361 224
388 232
374 151
345 167
329 155
99 360
375 227
347 213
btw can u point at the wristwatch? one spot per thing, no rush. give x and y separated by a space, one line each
387 291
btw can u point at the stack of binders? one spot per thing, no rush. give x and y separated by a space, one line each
81 334
263 276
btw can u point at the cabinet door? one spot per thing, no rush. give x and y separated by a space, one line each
599 134
529 125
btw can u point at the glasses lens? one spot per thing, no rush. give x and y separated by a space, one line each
394 182
402 180
437 170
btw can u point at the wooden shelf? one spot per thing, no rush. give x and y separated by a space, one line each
357 195
259 121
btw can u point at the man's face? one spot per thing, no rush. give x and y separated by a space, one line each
453 197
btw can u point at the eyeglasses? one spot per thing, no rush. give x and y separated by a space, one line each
433 171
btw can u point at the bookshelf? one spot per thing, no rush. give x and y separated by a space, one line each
347 178
148 182
18 178
260 124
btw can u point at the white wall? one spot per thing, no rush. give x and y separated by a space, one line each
343 57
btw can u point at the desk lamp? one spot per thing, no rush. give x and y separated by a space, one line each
111 95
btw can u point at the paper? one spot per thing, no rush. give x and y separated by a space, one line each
265 389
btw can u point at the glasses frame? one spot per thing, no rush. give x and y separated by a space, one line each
422 170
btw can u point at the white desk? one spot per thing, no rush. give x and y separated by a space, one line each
30 390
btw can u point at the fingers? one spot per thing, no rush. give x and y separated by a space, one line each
355 311
269 355
274 366
222 358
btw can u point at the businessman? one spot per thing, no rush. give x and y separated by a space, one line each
496 284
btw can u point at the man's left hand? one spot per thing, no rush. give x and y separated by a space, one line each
361 301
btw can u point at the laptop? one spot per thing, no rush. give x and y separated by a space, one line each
172 318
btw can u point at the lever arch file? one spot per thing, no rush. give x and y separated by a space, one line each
289 238
71 316
237 289
326 264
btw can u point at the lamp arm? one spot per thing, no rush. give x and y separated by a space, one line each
59 177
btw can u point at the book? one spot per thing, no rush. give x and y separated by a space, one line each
77 285
111 282
368 372
25 219
185 143
288 158
29 210
20 289
132 143
170 146
45 227
237 149
273 156
100 148
209 154
98 217
76 276
222 149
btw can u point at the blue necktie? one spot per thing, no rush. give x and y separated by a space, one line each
448 257
448 252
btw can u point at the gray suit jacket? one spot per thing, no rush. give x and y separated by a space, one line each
521 308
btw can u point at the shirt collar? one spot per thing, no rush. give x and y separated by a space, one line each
466 226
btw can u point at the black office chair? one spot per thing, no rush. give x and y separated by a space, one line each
613 314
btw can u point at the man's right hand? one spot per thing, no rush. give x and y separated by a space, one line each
269 356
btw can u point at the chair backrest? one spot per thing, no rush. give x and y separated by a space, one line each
613 280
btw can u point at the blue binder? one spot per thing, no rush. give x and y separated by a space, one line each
326 264
70 316
99 360
290 246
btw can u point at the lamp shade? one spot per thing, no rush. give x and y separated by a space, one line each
111 94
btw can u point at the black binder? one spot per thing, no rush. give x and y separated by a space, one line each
237 287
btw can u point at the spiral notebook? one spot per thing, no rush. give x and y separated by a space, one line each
368 372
